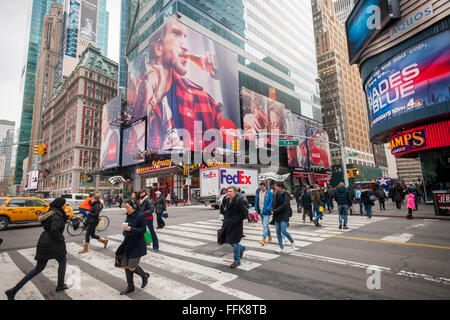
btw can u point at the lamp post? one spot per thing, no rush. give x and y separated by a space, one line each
341 141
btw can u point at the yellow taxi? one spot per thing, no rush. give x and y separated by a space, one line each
22 210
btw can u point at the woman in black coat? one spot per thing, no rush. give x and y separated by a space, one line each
160 209
133 246
235 212
307 204
92 223
51 245
398 195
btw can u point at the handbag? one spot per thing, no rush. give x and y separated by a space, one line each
118 262
220 236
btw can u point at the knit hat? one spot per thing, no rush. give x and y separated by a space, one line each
58 203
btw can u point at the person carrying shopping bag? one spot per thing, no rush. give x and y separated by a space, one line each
147 207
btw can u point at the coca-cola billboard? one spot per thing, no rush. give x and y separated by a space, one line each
110 143
185 84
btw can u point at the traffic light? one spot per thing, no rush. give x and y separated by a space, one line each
236 145
37 149
43 149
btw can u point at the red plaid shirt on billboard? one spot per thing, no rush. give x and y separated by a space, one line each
194 104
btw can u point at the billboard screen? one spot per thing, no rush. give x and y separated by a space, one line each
89 20
262 115
318 148
416 78
32 180
183 77
133 143
298 155
72 29
110 144
367 19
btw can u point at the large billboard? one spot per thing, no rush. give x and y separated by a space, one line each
181 78
367 19
416 78
133 144
110 144
263 116
32 180
298 155
88 28
318 148
72 29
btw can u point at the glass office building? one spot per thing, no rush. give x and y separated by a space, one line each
274 41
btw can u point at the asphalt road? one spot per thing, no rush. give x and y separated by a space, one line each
381 258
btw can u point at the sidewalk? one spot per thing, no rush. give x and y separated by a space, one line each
426 211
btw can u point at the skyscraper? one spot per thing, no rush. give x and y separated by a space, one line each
6 146
342 9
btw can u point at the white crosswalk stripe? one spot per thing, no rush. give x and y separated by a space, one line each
179 256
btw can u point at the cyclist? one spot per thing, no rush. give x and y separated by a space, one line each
86 205
92 223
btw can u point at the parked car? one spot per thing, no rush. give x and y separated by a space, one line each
23 210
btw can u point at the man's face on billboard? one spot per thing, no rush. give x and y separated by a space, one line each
174 47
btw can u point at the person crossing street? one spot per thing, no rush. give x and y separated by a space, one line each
281 210
160 209
147 207
263 203
344 201
92 223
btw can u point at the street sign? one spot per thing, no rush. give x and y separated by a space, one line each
285 143
354 154
188 181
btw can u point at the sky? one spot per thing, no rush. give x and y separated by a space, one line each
13 35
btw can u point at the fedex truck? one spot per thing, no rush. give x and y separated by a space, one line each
213 180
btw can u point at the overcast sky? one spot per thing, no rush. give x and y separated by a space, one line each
13 17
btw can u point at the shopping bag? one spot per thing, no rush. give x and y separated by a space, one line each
148 237
100 224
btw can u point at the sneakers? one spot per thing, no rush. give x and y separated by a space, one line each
269 239
279 250
293 246
235 264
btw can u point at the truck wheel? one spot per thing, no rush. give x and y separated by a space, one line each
4 222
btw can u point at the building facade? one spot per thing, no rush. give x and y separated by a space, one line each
72 125
341 92
7 129
342 9
412 112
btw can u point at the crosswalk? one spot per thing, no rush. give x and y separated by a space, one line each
188 264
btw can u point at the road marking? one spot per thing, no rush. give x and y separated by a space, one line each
392 242
11 275
404 237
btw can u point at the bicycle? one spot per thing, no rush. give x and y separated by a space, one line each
77 225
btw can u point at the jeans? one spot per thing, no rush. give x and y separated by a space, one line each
343 214
307 211
316 209
237 251
368 210
84 212
382 205
330 205
41 264
155 242
360 206
265 219
160 221
281 227
318 216
91 232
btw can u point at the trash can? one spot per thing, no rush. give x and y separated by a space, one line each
441 202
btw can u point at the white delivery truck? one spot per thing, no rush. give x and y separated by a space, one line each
213 180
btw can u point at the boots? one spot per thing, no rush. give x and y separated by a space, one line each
85 248
11 293
144 275
130 283
104 241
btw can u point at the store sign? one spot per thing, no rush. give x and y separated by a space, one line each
214 163
408 141
442 202
160 164
412 20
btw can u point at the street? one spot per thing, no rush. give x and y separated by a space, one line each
378 258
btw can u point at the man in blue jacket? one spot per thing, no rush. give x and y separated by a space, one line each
263 203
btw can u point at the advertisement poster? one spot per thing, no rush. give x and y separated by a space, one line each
110 144
89 20
298 155
183 77
32 183
318 148
262 116
72 29
133 143
414 79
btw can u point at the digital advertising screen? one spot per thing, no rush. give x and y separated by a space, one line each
185 84
414 79
298 155
88 29
318 148
368 19
110 144
133 144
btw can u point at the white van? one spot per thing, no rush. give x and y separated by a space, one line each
75 199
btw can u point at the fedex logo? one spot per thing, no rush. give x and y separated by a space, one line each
238 178
209 175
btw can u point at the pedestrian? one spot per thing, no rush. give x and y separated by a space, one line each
398 195
135 195
381 198
133 247
92 223
298 199
412 189
328 199
169 200
281 210
147 207
411 204
223 194
263 204
368 199
120 201
109 201
344 201
359 200
315 200
307 205
235 212
160 209
51 245
174 199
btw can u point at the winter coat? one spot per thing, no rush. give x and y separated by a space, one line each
328 196
234 212
298 196
381 195
315 196
268 199
281 206
413 190
160 205
306 200
51 244
94 213
365 196
147 207
398 194
244 198
134 245
342 196
411 201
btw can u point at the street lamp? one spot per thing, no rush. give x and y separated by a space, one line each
341 141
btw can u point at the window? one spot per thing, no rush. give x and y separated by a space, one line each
2 201
79 197
35 203
17 203
88 113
